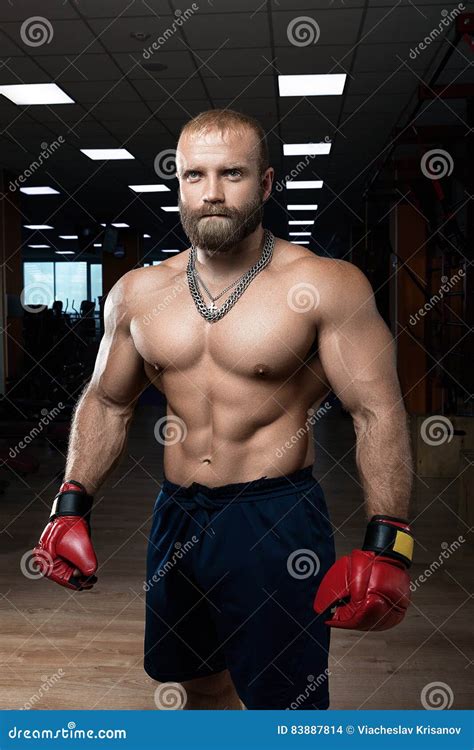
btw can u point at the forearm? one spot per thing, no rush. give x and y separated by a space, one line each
97 439
384 461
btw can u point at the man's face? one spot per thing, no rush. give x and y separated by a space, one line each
221 192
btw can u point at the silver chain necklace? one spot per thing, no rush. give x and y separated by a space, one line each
211 312
214 299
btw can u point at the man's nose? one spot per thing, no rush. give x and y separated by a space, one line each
213 192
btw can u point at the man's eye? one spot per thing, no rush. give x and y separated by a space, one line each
234 172
192 173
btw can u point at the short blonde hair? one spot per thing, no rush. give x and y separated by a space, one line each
228 119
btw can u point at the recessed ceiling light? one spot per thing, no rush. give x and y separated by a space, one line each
39 190
149 188
306 149
64 252
107 153
170 208
120 225
303 222
170 251
97 244
39 246
300 234
303 184
68 236
35 93
147 236
300 242
329 84
37 226
302 207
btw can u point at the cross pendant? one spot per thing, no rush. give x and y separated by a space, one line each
211 307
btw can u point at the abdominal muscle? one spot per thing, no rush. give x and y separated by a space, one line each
226 440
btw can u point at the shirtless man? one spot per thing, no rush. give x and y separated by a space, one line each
232 618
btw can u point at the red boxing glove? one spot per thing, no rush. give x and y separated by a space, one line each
64 552
370 587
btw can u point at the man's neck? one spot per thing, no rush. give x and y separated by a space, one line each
230 263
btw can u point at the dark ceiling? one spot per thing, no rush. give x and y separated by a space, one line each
228 53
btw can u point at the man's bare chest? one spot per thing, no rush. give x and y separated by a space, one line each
263 335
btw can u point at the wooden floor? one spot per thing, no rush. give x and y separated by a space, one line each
61 650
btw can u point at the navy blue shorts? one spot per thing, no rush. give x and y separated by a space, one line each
232 572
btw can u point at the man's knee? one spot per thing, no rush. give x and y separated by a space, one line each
215 691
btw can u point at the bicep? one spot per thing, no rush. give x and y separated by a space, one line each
357 349
119 376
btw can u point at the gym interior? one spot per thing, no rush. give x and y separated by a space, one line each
368 108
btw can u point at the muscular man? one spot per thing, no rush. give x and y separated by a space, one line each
231 617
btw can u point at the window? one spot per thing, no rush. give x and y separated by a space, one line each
38 284
96 282
71 283
46 281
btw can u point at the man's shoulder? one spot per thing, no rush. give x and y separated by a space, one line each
320 269
337 286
